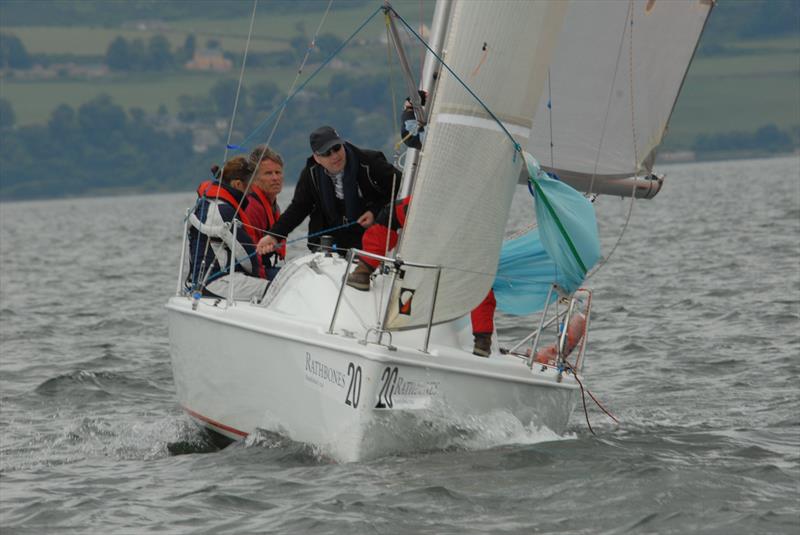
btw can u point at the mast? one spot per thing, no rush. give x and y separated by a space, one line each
428 83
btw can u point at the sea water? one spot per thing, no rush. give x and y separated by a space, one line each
694 347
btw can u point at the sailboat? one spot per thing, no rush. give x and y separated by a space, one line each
585 88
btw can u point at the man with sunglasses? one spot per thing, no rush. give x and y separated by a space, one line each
342 187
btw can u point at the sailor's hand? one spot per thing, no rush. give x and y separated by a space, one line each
367 219
266 245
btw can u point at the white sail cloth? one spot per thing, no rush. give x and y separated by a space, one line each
615 76
470 166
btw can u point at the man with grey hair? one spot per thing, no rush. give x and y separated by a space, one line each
342 187
262 207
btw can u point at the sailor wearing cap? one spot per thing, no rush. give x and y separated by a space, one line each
341 185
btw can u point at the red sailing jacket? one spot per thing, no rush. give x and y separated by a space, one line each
264 224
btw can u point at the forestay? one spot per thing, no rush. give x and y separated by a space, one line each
615 76
470 166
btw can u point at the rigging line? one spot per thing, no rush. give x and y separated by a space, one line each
630 89
597 402
311 77
224 270
583 399
302 66
610 95
550 115
628 24
283 107
619 238
393 111
241 77
421 32
235 107
517 146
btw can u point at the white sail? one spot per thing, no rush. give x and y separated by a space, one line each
470 167
615 75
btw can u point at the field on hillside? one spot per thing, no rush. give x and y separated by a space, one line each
85 40
270 31
722 93
739 93
33 102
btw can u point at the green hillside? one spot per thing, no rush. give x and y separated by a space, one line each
739 93
33 100
756 85
106 82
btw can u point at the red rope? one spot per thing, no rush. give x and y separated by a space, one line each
583 399
585 391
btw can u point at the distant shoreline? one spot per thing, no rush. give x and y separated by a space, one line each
689 156
663 159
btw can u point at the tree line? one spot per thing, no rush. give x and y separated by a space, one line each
769 139
100 146
156 53
111 14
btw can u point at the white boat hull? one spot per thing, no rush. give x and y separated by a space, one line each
246 367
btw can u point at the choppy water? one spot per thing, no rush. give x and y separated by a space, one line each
694 347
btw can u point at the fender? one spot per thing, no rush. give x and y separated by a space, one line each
575 332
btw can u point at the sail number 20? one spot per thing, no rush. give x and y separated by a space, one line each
389 379
388 382
354 390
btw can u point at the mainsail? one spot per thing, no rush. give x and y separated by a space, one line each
470 167
615 76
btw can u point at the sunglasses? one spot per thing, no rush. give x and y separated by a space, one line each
335 148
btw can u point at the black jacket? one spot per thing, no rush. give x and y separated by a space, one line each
315 200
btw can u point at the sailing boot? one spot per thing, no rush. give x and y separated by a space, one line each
359 278
483 344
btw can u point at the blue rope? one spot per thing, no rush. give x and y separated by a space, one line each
517 146
224 271
283 104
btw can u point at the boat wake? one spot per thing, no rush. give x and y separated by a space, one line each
442 430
